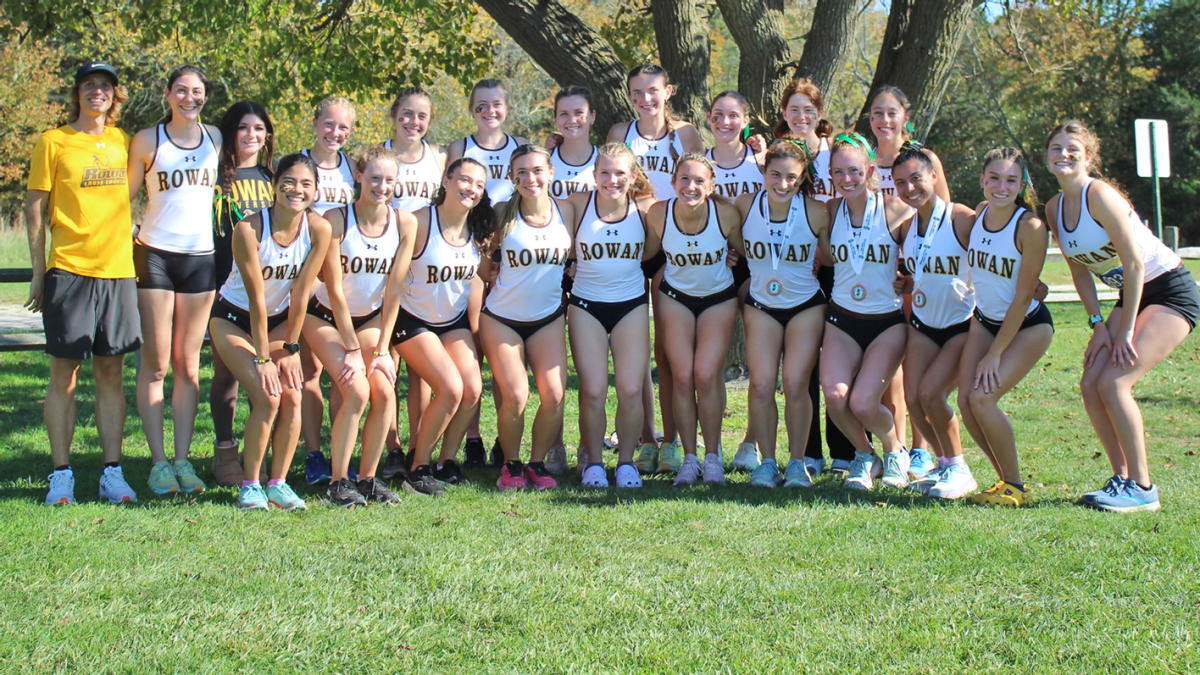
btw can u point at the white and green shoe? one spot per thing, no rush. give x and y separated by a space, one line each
162 479
670 457
185 475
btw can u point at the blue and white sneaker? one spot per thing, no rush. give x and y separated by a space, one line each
766 474
796 475
923 483
252 498
746 458
1130 499
317 469
895 469
920 462
863 469
815 466
281 496
1112 487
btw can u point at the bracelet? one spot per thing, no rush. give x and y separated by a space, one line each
356 349
262 362
375 352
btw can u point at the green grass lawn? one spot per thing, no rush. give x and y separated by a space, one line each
703 579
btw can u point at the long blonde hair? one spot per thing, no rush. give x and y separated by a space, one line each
641 186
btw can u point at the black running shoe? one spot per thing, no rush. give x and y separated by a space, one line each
376 491
343 494
497 455
421 481
474 456
394 465
450 473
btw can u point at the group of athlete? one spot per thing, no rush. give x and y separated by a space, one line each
854 273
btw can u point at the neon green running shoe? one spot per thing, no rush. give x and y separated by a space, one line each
670 457
281 496
162 479
186 476
646 459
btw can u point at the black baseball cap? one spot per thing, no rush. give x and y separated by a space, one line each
95 67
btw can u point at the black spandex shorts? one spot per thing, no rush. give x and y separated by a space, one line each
862 328
325 314
785 316
940 336
694 304
741 272
527 329
1176 290
223 309
408 327
178 272
86 316
1037 317
653 265
609 314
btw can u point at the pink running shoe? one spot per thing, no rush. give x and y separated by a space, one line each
511 477
539 478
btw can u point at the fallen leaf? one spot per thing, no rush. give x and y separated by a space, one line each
882 505
510 513
1190 453
439 522
189 520
1096 455
97 521
405 647
1168 466
1155 528
362 608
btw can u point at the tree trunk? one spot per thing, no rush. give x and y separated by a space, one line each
735 358
917 55
827 46
681 29
765 62
568 51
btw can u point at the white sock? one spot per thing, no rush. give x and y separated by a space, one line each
959 460
944 461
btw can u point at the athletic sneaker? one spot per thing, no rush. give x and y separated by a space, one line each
1130 499
815 466
840 467
766 475
923 484
344 494
556 460
114 488
512 476
450 474
375 491
895 468
1001 494
162 479
62 488
316 468
689 471
646 459
538 477
1112 487
252 498
670 457
714 469
746 458
862 471
627 476
595 476
474 455
920 462
497 457
955 482
420 481
282 497
186 475
394 464
796 475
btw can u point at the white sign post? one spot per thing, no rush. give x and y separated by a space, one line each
1153 159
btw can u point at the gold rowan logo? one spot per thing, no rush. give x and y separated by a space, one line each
101 173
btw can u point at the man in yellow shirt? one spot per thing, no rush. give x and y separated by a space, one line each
86 292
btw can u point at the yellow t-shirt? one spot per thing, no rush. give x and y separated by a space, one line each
91 232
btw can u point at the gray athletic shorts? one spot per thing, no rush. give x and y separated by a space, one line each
83 316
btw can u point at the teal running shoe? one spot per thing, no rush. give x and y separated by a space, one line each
766 475
252 498
283 498
796 475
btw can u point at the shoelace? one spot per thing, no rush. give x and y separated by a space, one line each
1114 486
185 470
61 481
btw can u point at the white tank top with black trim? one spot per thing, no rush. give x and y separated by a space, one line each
335 187
529 286
608 256
572 178
499 184
180 184
870 290
417 183
995 265
744 178
941 296
781 267
823 184
280 267
438 286
657 157
366 262
696 262
887 184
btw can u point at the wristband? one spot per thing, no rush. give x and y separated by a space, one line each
1094 319
262 362
379 353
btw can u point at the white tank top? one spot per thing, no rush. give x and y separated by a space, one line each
179 190
335 187
366 262
499 185
280 267
941 296
438 286
569 178
781 268
995 264
416 184
1089 245
868 290
529 286
887 184
696 262
744 178
823 185
656 157
608 256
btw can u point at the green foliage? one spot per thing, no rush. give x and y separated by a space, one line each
28 79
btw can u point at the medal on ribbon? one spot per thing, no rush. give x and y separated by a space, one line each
775 286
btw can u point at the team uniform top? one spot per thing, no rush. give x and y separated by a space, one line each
657 157
88 208
941 297
280 267
744 178
823 184
608 256
1089 245
179 190
531 269
335 187
868 291
887 184
499 186
995 264
366 262
417 183
438 286
768 241
696 262
571 178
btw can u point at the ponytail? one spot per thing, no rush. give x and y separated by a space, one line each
641 187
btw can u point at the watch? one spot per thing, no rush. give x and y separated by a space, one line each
292 347
1094 319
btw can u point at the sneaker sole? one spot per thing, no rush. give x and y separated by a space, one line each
243 507
297 507
1152 506
856 486
160 491
798 485
510 488
62 501
666 468
895 483
413 491
194 491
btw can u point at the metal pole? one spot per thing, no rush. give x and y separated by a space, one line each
1154 169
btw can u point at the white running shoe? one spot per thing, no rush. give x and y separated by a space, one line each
714 469
595 477
62 488
628 477
689 471
924 483
114 488
956 482
862 471
814 465
895 468
746 458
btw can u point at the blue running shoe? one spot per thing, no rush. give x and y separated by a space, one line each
252 498
766 474
920 462
1130 499
316 468
796 475
1112 487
